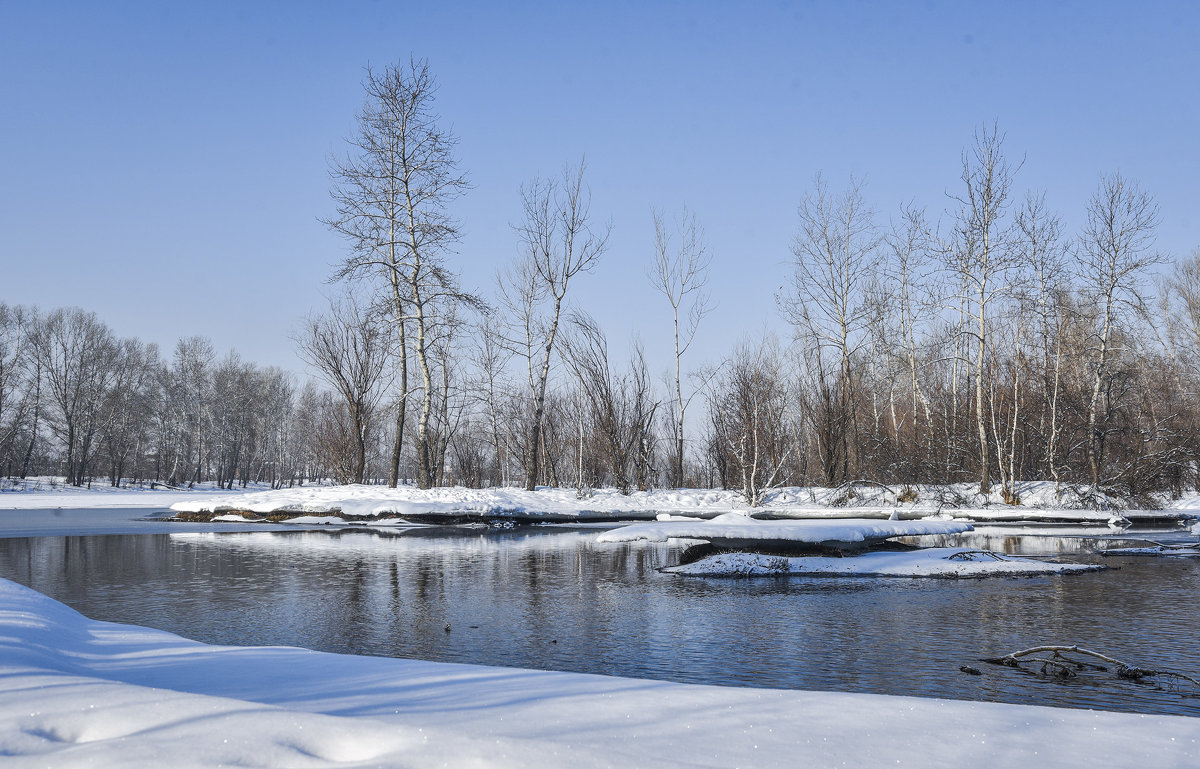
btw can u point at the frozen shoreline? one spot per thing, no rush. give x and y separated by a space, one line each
77 692
1043 504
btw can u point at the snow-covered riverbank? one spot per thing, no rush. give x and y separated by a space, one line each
80 693
1042 503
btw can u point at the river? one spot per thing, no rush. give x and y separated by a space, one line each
551 598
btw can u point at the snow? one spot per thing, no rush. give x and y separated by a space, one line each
945 562
736 529
1041 502
80 693
363 500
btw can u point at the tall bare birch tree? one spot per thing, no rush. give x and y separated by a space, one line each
680 273
982 258
559 243
1115 252
392 193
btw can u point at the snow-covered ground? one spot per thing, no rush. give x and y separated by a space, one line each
1041 501
79 693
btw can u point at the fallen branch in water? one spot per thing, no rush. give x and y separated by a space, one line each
1060 664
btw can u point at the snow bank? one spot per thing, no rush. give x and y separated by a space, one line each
735 530
949 562
361 500
80 693
1041 502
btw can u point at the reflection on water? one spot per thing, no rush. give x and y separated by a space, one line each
550 598
1050 540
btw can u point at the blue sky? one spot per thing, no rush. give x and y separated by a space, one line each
165 164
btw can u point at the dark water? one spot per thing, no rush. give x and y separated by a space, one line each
552 599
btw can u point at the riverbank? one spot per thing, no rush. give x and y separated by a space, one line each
76 692
1042 502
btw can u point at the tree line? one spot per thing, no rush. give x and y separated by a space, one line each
984 343
77 401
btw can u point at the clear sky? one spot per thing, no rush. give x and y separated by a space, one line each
165 163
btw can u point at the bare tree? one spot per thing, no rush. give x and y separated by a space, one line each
16 325
348 348
751 421
1115 252
489 357
621 405
559 243
680 273
449 400
392 194
1044 253
983 258
910 269
126 405
190 374
835 255
76 351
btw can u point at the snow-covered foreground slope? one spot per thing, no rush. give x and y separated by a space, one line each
80 693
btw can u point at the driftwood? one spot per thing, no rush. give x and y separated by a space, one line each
1061 665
